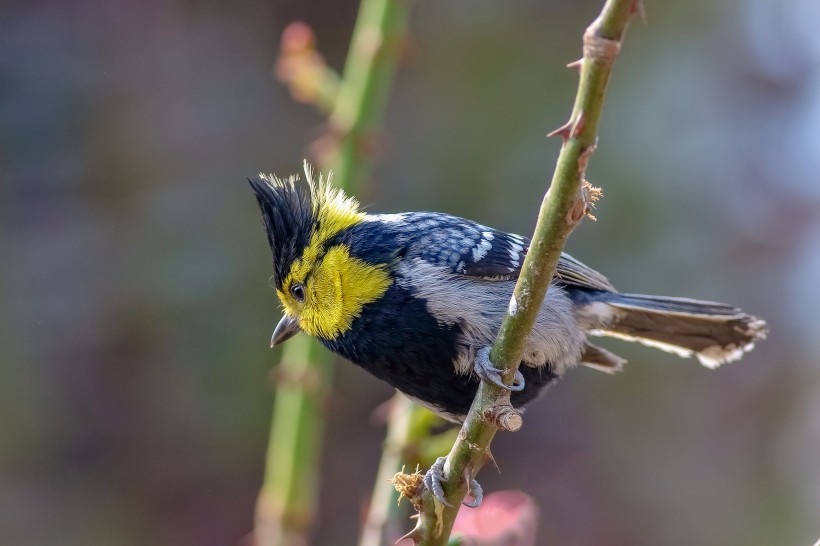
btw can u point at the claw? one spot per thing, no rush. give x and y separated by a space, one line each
486 371
432 481
475 491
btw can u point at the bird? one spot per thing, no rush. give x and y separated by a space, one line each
417 298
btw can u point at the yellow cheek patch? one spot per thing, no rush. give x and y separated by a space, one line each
337 286
336 291
334 212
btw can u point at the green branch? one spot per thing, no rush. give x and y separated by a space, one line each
287 502
564 205
369 71
383 509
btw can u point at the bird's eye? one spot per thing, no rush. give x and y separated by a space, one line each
298 291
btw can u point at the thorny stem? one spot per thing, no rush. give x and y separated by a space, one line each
565 203
287 503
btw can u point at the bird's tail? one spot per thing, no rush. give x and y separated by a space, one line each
715 333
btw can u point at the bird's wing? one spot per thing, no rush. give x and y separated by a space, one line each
465 247
495 256
571 271
471 249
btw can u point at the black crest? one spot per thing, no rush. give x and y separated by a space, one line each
288 213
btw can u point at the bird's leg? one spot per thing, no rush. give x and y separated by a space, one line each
434 476
486 371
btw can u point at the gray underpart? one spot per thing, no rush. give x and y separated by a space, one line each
479 306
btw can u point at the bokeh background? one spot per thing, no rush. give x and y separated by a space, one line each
135 378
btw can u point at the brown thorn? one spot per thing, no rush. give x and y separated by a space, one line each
469 478
466 474
414 535
576 64
563 131
579 124
571 129
488 458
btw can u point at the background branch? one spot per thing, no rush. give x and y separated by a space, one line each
383 512
287 502
564 205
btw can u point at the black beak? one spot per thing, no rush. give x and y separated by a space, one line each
286 329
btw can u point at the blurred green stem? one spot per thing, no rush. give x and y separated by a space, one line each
381 524
564 205
287 503
371 65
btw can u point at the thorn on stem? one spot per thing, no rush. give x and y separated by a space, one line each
579 124
474 490
571 129
576 64
563 131
414 535
489 459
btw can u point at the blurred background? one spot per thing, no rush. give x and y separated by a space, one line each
135 307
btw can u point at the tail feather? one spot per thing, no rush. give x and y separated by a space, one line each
715 333
602 360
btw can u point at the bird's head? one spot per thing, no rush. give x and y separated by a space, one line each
321 286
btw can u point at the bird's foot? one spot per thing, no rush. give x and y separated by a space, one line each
432 481
475 491
489 373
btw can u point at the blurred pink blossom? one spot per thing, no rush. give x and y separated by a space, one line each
505 518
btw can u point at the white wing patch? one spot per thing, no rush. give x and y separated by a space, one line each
482 249
515 251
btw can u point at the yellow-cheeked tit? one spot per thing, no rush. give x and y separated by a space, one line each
416 298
